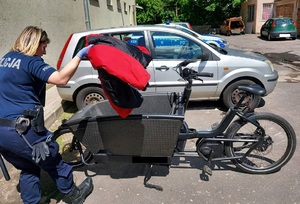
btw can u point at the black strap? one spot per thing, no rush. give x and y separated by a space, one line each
7 123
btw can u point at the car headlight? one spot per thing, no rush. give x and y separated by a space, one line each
270 64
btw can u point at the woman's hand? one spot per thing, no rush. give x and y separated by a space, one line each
84 51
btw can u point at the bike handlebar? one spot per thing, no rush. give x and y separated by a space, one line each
188 73
205 74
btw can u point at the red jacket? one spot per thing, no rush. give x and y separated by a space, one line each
125 68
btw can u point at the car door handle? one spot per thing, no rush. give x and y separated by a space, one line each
162 68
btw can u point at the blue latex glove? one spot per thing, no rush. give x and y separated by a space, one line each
84 51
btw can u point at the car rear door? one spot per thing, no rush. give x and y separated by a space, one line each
137 38
168 50
266 27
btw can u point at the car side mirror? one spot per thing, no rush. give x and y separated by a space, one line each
205 56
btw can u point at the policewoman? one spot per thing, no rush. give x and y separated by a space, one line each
24 141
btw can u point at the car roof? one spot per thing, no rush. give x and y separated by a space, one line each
131 28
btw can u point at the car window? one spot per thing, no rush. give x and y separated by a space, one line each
133 38
183 24
79 46
280 22
173 46
268 22
188 31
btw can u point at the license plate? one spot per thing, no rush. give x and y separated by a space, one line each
284 35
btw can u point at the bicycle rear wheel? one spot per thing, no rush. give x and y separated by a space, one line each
273 152
70 148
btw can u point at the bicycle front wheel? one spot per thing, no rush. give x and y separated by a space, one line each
274 149
70 148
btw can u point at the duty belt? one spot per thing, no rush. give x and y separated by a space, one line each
7 123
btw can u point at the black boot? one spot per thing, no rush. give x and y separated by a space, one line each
79 194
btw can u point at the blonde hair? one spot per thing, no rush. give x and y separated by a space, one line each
29 40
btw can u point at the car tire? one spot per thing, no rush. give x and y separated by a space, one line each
89 95
269 37
231 94
228 33
261 35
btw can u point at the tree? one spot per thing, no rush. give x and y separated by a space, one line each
197 12
150 12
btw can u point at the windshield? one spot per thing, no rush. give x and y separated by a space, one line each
188 31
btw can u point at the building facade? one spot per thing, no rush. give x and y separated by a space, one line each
256 12
60 18
289 8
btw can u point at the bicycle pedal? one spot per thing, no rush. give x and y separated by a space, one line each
207 170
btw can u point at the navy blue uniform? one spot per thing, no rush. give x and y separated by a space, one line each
23 79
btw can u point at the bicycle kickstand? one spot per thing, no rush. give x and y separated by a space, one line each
147 178
207 167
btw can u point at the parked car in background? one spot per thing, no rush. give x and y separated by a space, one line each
279 28
184 24
168 47
234 25
208 38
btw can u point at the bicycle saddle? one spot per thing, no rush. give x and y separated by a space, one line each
254 89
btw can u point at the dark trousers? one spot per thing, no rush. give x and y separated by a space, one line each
15 150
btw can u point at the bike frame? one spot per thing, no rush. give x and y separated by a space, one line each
215 134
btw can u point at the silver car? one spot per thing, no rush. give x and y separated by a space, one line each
169 46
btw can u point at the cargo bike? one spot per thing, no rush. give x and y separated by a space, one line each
155 133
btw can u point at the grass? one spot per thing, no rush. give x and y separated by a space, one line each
48 86
64 116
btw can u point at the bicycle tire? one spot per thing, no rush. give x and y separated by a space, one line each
269 156
69 152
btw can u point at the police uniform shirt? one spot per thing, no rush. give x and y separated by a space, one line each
22 80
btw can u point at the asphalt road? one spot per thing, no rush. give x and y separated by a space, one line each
184 182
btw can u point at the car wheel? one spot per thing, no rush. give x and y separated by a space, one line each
228 33
232 94
261 35
269 37
293 38
89 95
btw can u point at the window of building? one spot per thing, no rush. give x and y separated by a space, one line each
251 12
109 2
267 11
125 8
119 5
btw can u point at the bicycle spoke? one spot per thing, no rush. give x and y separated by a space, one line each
272 151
